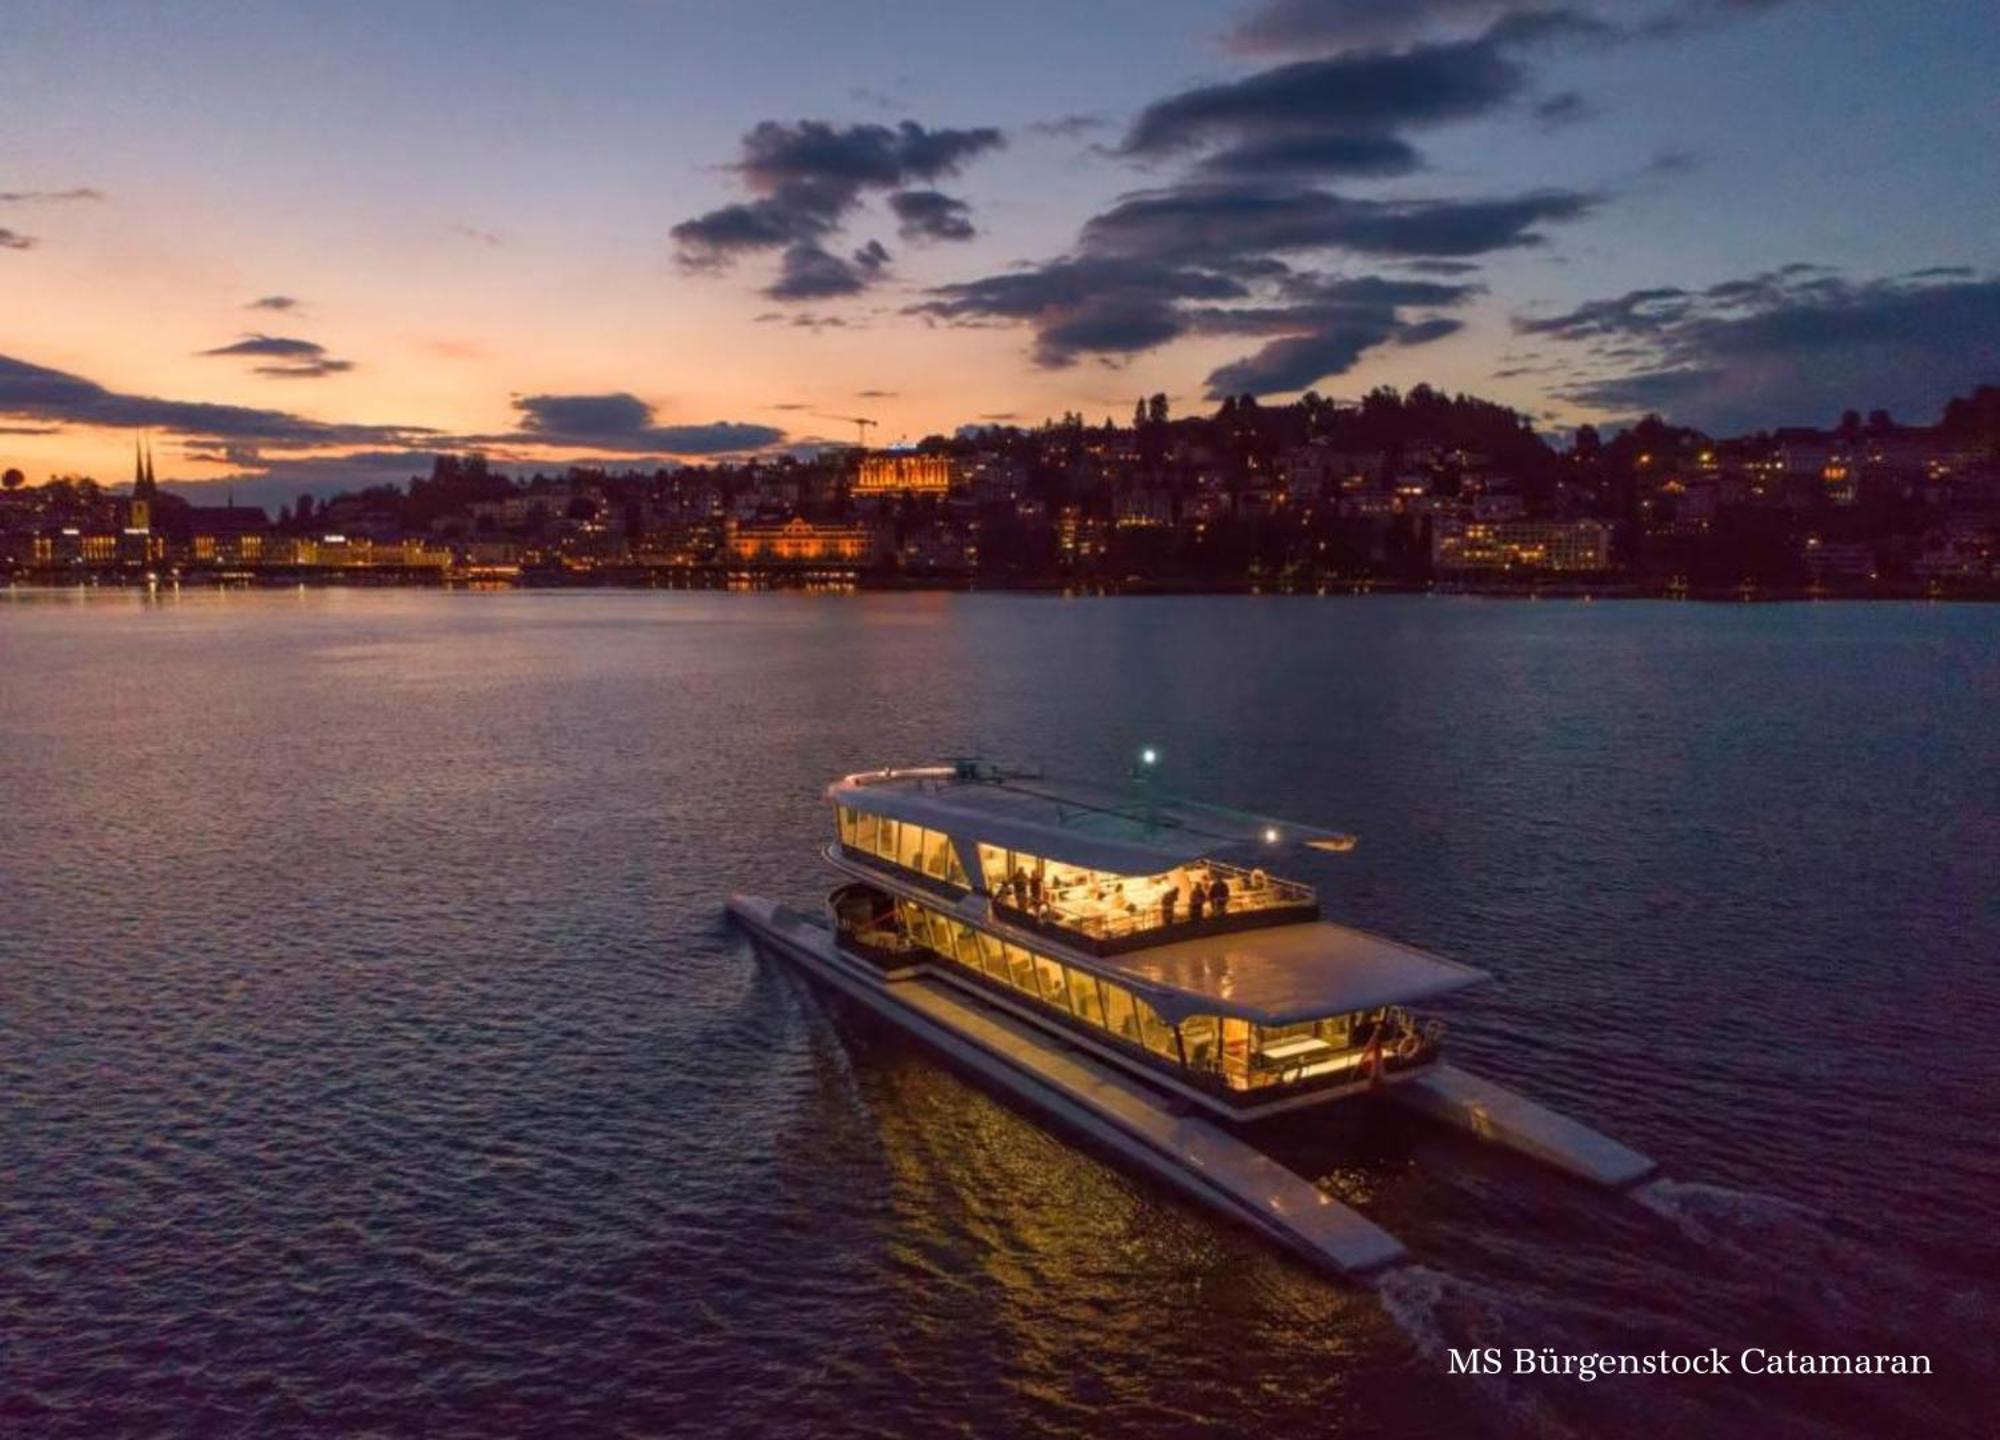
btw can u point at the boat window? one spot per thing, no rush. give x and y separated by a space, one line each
1236 1050
1050 972
992 956
915 848
1202 1041
910 847
1119 1017
1154 1033
1021 969
1083 998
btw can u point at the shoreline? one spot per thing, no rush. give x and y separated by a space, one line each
848 581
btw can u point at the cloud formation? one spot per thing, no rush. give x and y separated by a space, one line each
808 177
620 421
1794 345
1233 243
1293 27
287 358
931 215
50 197
34 392
274 302
15 240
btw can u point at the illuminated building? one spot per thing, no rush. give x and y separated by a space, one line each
1562 546
798 542
905 472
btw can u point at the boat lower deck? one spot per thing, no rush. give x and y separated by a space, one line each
1198 1156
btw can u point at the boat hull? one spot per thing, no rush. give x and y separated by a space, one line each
1197 1157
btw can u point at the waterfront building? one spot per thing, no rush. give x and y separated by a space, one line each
1560 546
798 541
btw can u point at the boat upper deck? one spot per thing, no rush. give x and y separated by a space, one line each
1287 973
1128 830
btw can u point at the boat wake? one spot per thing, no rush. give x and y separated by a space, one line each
1841 1281
1717 1215
1440 1312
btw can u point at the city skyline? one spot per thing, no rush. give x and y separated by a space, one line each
306 248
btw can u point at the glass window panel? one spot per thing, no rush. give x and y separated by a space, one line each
1202 1041
1021 970
1236 1049
866 827
954 871
1154 1033
992 866
885 839
1119 1016
934 847
992 955
845 816
910 847
1050 972
1083 998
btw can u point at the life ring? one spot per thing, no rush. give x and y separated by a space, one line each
1407 1045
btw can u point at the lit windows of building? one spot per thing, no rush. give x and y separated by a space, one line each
797 542
1562 546
905 472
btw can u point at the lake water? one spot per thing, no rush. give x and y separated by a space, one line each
374 1058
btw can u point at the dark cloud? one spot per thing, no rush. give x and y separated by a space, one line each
274 302
1789 346
50 197
15 240
856 157
931 215
1212 223
1371 92
34 392
1293 27
623 422
808 320
1068 127
1101 305
1328 327
811 272
808 177
491 239
875 394
291 359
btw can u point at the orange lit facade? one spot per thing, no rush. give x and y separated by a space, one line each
906 474
799 542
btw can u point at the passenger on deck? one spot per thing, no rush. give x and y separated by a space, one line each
1169 901
1197 901
1035 891
1218 896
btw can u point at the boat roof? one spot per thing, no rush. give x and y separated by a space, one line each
1284 974
1133 829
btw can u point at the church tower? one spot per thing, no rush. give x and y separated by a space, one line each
144 488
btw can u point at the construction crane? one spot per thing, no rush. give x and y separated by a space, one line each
859 423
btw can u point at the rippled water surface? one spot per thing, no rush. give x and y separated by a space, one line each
374 1058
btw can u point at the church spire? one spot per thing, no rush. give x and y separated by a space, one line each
144 487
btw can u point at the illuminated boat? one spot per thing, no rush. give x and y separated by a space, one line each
1126 962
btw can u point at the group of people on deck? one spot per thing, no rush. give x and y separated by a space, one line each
1207 891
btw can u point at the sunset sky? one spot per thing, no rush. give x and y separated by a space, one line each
304 245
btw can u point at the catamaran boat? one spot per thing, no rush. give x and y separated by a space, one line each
1126 964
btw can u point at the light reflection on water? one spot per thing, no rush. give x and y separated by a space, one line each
375 1058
